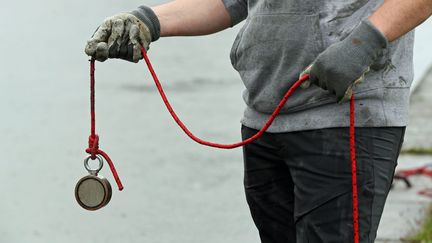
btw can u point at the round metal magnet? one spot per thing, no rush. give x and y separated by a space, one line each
93 191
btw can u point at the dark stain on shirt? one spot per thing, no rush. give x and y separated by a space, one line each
357 42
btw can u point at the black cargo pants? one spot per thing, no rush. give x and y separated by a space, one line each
298 184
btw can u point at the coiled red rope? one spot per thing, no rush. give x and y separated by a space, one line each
94 139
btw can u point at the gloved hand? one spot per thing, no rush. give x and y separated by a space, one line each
345 63
121 35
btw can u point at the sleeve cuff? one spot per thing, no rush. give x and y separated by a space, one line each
149 18
237 9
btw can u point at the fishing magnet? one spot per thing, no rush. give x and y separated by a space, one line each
93 191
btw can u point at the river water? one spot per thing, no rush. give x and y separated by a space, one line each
175 191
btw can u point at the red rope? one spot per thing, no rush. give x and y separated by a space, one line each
93 142
264 128
94 138
354 172
211 144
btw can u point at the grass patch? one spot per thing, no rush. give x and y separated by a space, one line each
418 151
425 233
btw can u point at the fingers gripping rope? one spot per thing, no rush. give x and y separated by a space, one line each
93 149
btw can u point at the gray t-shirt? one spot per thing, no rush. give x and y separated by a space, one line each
280 38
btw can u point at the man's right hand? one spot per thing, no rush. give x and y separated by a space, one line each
122 35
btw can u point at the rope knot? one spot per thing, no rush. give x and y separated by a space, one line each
93 148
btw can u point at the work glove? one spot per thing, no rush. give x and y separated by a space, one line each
345 63
122 35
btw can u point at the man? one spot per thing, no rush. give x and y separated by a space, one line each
297 176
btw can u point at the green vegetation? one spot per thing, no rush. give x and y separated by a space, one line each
417 151
425 234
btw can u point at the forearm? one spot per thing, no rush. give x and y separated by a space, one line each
192 17
395 18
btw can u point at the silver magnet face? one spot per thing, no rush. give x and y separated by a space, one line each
93 192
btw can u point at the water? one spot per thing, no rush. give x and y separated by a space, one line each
175 191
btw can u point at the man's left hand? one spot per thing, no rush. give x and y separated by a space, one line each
345 63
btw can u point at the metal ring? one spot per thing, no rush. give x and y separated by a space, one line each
90 170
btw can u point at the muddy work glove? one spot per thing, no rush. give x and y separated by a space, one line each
345 63
121 35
